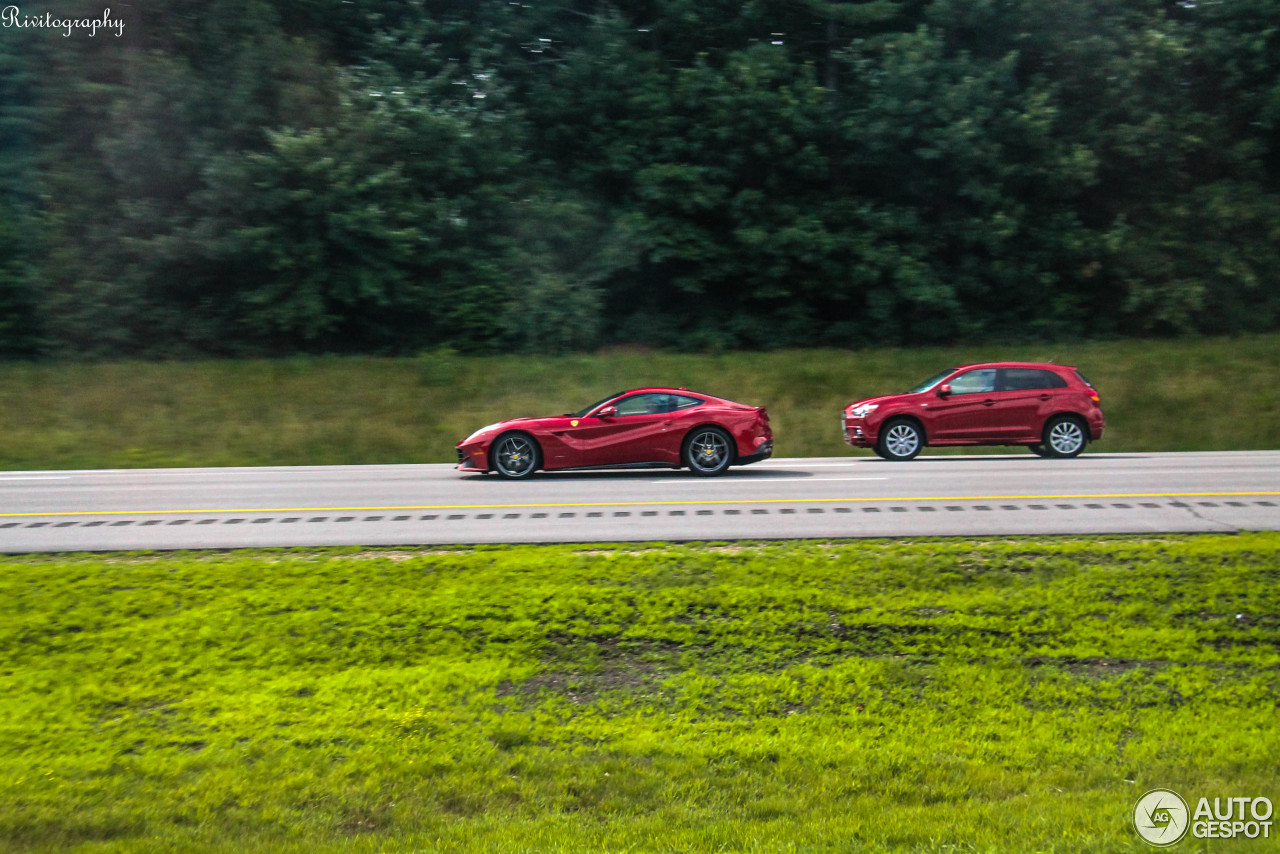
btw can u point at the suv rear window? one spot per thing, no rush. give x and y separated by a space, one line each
1023 379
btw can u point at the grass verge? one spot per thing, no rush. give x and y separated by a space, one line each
937 695
1204 394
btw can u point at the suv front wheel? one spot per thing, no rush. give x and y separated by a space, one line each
900 440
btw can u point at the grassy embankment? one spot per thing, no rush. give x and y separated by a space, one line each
927 696
1214 394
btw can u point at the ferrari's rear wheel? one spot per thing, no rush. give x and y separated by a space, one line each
708 451
515 455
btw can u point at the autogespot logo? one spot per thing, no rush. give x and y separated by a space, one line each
1160 817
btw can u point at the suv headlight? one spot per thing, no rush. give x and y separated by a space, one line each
864 410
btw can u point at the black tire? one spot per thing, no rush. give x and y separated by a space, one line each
900 440
1038 450
1065 436
707 451
515 456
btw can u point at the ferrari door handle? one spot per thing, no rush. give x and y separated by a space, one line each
988 403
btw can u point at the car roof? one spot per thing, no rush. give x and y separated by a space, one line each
671 390
663 390
1042 365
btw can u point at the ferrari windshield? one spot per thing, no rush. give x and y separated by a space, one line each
931 382
582 412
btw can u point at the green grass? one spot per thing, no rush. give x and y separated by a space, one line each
996 695
1209 394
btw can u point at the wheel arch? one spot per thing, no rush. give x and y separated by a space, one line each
515 431
733 440
906 416
1067 413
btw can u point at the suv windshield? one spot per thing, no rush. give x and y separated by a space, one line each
582 412
931 382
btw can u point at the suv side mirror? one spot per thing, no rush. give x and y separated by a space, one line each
607 412
944 390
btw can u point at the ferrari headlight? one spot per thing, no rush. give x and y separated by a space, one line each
864 410
476 434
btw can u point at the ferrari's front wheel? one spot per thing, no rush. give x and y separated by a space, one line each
708 451
515 455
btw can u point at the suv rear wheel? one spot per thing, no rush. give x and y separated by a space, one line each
1064 436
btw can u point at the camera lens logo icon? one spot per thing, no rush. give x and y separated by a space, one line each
1161 817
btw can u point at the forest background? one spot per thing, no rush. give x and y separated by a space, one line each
249 178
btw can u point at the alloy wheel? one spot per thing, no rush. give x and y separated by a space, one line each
515 456
708 452
1066 437
902 441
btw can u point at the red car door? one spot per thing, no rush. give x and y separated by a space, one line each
1026 394
968 412
639 432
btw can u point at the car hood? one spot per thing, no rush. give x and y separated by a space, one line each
499 426
884 398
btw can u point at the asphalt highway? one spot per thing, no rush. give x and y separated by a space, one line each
862 496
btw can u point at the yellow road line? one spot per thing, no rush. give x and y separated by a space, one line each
877 499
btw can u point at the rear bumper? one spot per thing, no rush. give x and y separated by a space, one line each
1097 424
762 453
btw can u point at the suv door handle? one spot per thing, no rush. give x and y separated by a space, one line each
1044 397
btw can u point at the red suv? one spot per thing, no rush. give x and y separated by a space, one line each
1051 409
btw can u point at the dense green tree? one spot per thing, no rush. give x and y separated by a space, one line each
730 203
278 176
1181 200
18 316
974 191
19 232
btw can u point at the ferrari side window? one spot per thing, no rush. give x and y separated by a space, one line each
680 401
641 404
